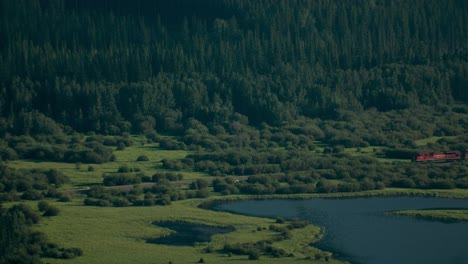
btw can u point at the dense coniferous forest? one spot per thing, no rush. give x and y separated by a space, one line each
131 66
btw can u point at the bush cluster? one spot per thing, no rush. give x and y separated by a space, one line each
20 244
69 149
161 193
30 184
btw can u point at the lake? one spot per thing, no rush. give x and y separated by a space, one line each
357 229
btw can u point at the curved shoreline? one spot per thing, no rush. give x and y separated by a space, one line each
336 254
446 194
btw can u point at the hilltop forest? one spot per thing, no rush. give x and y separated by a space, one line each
117 66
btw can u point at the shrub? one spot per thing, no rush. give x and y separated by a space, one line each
442 184
279 220
120 202
51 211
43 206
209 249
403 183
298 224
53 193
32 195
254 255
64 199
142 158
148 202
69 253
120 146
121 179
124 169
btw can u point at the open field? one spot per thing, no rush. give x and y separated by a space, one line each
117 235
80 176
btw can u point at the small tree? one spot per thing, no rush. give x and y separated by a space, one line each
51 211
43 206
254 255
279 220
120 146
142 158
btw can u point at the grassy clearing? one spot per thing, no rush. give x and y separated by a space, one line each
80 175
365 151
117 235
425 141
155 156
443 215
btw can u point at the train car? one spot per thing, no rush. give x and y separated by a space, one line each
445 156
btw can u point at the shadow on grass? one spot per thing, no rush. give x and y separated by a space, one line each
187 234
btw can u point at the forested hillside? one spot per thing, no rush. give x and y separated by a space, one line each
128 66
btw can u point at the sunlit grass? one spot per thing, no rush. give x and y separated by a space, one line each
117 235
91 174
426 141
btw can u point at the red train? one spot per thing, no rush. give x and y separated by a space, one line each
445 156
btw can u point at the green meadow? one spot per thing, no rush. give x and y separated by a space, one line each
81 175
117 235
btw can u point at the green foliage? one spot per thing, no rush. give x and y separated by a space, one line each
32 184
170 62
47 147
19 244
43 206
142 158
51 211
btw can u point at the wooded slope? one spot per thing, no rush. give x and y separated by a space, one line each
115 66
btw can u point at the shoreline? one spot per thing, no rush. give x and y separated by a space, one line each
446 194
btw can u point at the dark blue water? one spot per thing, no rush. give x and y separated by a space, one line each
357 229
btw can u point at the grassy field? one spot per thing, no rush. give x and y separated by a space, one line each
80 176
117 235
